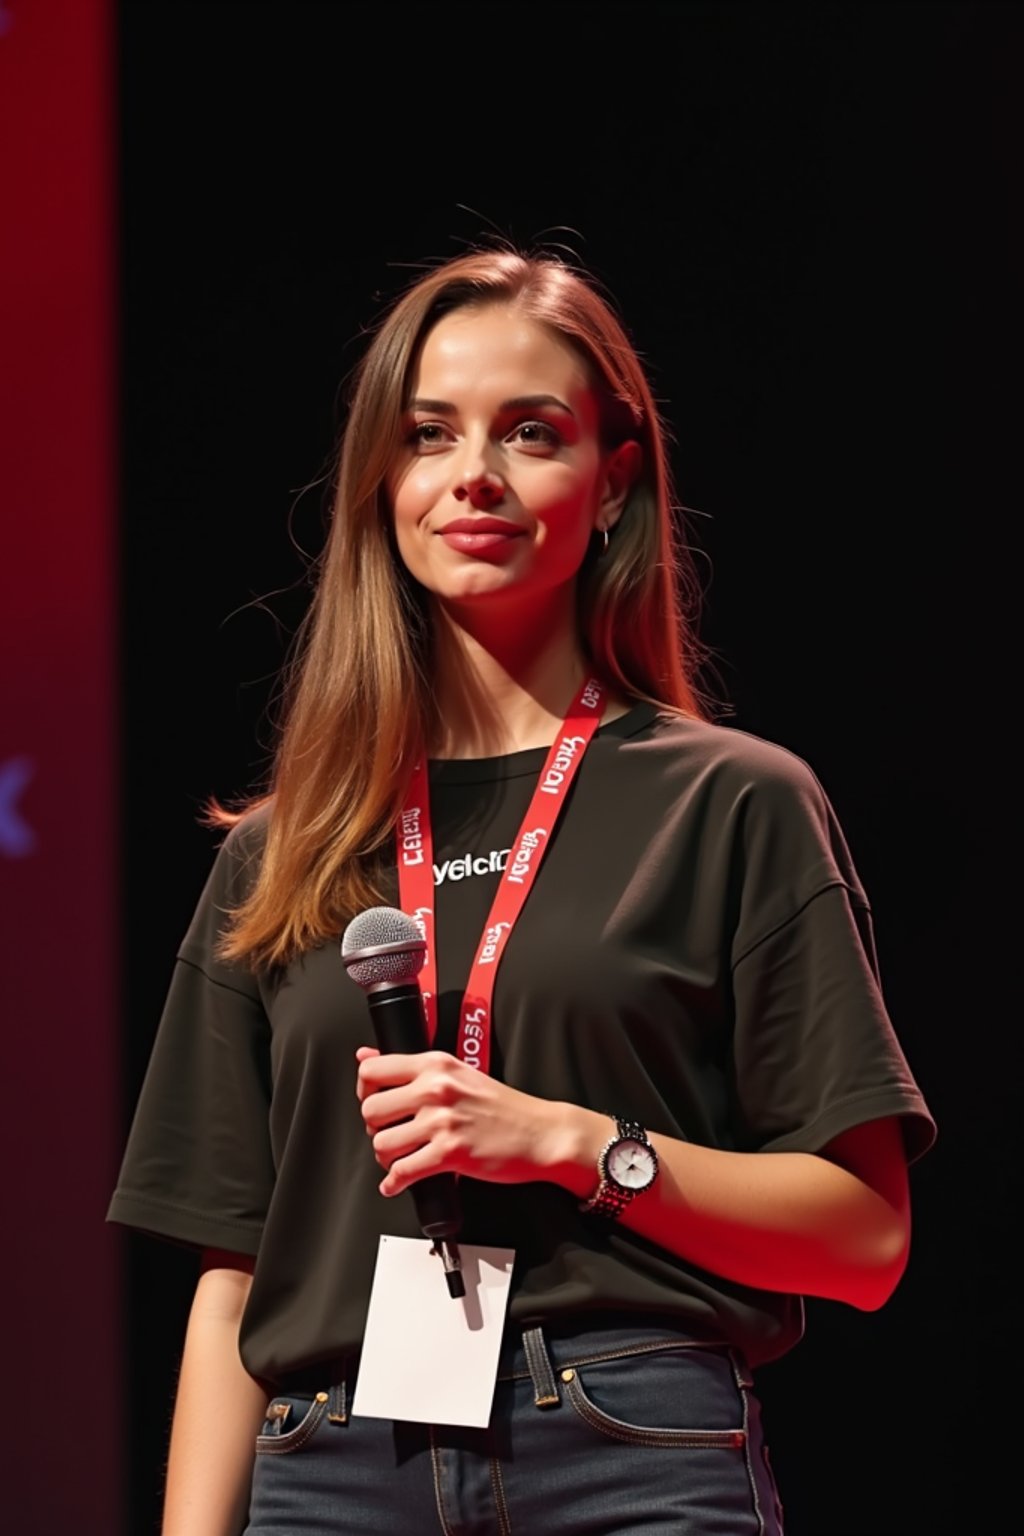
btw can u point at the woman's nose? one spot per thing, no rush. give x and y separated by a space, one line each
482 488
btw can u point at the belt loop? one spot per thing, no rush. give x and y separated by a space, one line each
545 1389
741 1370
337 1399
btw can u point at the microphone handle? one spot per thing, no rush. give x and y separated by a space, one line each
400 1025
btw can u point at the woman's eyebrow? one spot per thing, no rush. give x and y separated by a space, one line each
531 402
519 403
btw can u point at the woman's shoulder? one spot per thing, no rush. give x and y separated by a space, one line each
763 798
238 852
728 752
229 882
248 833
748 785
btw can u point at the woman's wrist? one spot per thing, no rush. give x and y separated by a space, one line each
571 1145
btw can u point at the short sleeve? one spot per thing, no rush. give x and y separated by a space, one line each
198 1167
815 1051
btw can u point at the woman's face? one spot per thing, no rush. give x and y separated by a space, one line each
501 480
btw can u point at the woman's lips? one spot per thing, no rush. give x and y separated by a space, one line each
479 535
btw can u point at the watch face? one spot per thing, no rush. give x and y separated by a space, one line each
631 1165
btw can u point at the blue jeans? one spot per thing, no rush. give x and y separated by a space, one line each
604 1431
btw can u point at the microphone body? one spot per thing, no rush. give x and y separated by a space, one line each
400 1026
383 951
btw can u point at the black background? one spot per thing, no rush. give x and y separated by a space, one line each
808 215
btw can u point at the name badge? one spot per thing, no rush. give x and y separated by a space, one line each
428 1356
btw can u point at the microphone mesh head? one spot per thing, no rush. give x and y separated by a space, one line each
372 929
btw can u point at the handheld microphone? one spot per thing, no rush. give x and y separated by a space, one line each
383 951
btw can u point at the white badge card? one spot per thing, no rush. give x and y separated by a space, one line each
428 1356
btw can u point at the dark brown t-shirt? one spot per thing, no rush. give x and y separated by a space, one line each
696 954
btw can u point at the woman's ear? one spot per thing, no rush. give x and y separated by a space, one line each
621 469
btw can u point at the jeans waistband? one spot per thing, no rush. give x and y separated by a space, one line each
539 1348
535 1347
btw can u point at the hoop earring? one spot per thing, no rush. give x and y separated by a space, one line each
604 547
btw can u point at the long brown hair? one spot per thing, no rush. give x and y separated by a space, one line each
357 694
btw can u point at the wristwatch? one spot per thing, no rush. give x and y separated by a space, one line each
626 1166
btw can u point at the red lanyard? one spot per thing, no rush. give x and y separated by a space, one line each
416 872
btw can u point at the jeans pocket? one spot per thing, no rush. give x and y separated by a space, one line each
684 1395
291 1422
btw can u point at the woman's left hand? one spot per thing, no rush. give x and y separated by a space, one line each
430 1113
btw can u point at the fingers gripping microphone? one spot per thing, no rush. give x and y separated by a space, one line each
383 951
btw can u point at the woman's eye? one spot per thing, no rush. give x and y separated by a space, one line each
427 434
536 434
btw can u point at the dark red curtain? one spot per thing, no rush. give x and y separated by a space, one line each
59 1095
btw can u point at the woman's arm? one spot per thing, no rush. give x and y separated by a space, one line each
218 1409
833 1224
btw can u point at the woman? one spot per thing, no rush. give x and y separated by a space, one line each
687 1108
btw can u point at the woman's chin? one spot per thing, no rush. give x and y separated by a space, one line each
479 586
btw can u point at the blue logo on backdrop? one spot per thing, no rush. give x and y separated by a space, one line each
16 836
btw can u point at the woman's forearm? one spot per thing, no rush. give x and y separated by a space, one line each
834 1225
217 1414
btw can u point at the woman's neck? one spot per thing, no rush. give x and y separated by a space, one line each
503 686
